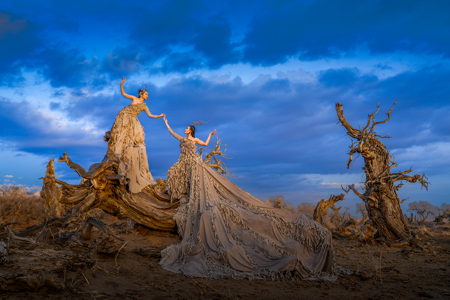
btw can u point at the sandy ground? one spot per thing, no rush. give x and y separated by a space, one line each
53 271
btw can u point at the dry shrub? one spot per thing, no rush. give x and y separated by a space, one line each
19 205
307 209
422 232
279 202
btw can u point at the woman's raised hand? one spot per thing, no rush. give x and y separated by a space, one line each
163 115
123 79
165 120
214 132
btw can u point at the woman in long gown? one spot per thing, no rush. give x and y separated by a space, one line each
128 142
227 232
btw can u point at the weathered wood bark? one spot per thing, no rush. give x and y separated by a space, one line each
214 159
51 193
380 191
361 208
323 206
344 229
101 187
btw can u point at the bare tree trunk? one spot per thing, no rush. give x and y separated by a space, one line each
380 192
51 193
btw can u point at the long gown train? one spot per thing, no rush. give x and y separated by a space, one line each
227 232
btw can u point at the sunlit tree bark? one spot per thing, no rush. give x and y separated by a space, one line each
380 189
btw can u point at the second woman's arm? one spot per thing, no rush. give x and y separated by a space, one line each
171 131
202 143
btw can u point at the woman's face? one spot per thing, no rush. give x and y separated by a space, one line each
145 95
187 130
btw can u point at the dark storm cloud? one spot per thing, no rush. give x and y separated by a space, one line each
418 118
66 67
24 47
345 78
18 39
122 62
173 23
180 62
181 36
213 41
277 86
319 29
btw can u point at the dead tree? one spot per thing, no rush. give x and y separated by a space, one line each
323 206
344 228
214 159
409 219
380 188
443 212
422 208
102 187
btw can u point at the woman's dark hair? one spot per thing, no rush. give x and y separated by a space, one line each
141 91
192 129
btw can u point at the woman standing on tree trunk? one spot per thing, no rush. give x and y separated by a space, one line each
128 142
227 232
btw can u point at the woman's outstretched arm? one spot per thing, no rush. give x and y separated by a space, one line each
123 91
153 116
171 131
202 143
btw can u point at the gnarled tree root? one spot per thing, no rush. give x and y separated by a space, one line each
102 187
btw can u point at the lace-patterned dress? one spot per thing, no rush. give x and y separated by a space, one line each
128 143
227 232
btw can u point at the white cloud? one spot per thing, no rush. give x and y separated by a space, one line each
423 157
9 176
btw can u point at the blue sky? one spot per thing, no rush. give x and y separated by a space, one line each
265 74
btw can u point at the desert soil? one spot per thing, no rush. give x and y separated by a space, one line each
53 271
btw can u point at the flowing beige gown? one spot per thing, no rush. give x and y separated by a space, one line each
128 142
227 232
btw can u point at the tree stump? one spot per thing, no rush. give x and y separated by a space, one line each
51 193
